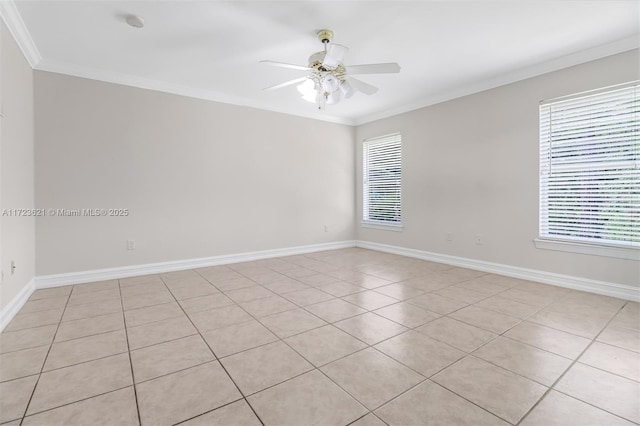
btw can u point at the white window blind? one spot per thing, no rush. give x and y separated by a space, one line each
590 167
382 180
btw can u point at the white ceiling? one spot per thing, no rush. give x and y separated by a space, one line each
211 49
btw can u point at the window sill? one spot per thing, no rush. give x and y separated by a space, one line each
382 226
630 253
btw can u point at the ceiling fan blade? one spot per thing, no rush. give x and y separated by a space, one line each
286 83
284 65
361 86
387 68
335 55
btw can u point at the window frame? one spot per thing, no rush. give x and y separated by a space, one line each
584 245
367 144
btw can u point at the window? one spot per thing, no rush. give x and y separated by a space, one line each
382 181
590 168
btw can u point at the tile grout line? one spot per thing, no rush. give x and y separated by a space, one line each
575 361
211 411
362 417
302 356
70 365
520 322
466 353
218 360
35 326
315 368
48 308
506 337
319 369
82 337
607 371
26 409
513 372
476 404
133 377
150 322
80 400
503 334
428 379
5 332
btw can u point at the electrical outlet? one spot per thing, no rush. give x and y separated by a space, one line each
448 236
326 228
131 244
13 267
479 239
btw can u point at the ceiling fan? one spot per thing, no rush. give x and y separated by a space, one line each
328 78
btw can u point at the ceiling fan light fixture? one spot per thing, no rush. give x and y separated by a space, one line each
328 80
308 91
346 89
330 83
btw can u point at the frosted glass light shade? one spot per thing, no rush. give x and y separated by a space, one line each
330 83
307 90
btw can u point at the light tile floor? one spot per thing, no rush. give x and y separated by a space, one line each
330 338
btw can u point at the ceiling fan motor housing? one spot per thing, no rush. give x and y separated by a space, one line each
316 59
318 71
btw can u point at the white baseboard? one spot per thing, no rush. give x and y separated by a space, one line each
57 280
577 283
600 287
16 304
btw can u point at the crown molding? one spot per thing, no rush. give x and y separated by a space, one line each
567 61
176 89
18 30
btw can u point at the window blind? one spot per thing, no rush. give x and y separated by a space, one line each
590 167
382 180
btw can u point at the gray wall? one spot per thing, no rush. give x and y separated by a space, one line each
17 238
470 166
199 178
